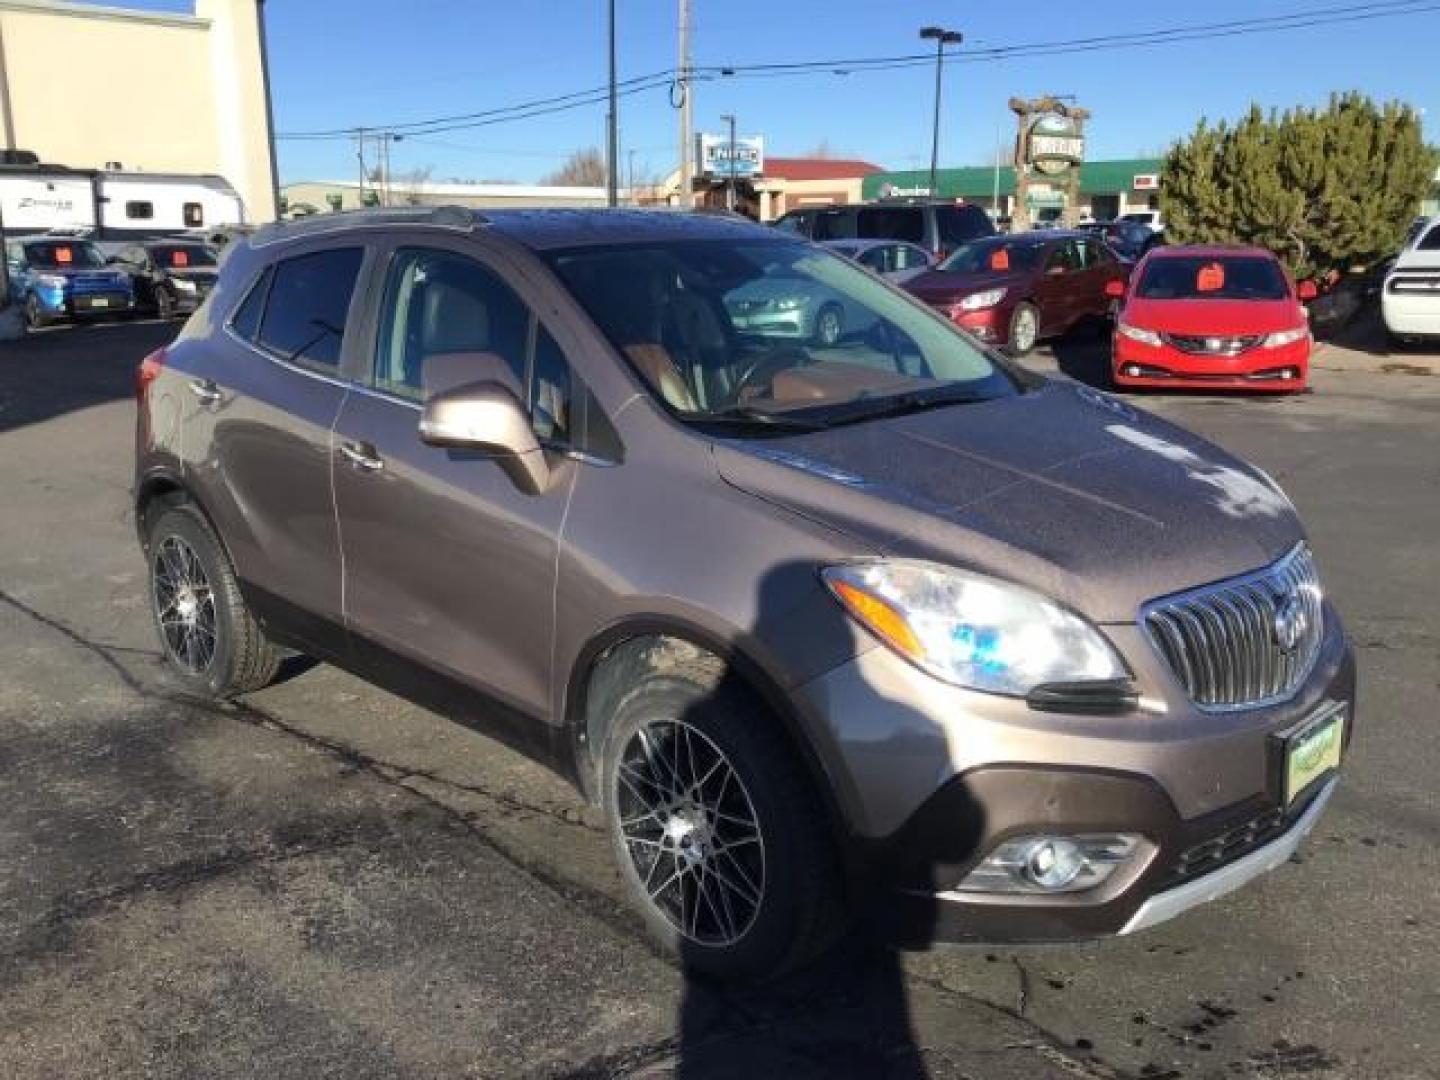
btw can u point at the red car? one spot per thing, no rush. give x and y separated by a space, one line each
1014 290
1214 316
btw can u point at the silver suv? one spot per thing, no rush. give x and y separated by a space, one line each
816 624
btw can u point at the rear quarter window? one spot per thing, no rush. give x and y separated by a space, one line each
246 320
309 298
960 224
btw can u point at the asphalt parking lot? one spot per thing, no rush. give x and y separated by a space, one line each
324 881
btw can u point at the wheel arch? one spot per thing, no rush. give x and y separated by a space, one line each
160 489
587 696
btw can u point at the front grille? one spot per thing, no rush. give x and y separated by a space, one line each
1246 641
1422 283
1227 846
1213 346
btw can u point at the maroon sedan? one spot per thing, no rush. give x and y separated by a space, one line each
1014 290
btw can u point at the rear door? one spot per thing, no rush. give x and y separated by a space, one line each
263 395
1058 287
449 567
1100 268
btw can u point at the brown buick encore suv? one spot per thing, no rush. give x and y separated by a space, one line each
813 621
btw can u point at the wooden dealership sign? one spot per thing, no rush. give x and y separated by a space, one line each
1049 147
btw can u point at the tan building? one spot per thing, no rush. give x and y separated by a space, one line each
785 184
73 82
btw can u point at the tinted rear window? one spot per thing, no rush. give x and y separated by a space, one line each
1212 277
961 223
891 223
309 297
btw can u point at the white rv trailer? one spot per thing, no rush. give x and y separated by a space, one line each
113 206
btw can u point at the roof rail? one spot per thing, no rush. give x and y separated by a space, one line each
455 218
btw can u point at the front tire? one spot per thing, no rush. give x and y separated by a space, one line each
212 643
829 326
721 843
35 317
1024 329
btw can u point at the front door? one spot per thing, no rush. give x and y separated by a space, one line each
448 565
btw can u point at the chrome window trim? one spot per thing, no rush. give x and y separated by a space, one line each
1261 577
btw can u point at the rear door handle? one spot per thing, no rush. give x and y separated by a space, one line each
206 391
362 456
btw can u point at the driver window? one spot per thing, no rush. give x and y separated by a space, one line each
445 321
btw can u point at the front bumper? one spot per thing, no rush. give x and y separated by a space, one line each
1258 368
774 324
70 305
1411 314
933 778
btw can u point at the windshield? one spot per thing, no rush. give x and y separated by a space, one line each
182 256
994 256
1213 277
1431 240
64 254
764 328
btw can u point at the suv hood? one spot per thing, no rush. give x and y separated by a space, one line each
1418 260
1064 489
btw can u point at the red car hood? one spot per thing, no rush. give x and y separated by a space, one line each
1225 318
943 286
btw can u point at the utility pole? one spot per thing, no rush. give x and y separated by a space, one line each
995 188
729 118
612 181
941 37
687 181
630 185
360 156
384 168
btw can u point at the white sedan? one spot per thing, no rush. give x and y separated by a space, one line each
1410 300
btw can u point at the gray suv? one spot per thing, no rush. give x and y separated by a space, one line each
817 625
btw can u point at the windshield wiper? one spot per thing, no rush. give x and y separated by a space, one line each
910 401
746 414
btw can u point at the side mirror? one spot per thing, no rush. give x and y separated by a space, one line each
1307 290
1115 289
488 417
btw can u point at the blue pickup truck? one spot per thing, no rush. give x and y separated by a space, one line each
56 279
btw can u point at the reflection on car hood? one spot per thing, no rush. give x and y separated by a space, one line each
1065 489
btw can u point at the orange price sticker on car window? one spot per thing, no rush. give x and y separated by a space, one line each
64 255
1000 259
1211 278
180 258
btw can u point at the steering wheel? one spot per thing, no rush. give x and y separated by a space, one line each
769 364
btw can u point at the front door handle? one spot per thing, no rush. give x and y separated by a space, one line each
206 391
362 456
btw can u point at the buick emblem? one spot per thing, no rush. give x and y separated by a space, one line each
1289 625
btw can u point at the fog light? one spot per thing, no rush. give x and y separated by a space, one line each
1133 370
1053 864
1288 373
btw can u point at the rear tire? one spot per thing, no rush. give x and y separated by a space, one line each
719 835
211 642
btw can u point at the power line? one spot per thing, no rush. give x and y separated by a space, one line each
546 106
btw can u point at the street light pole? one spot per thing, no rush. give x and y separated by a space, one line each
612 186
729 118
687 151
941 37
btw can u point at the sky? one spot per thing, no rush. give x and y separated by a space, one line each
378 62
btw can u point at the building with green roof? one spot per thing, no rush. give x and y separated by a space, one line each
1108 188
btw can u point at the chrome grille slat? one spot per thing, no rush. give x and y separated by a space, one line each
1223 642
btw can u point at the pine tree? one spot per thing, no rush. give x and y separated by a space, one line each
1325 189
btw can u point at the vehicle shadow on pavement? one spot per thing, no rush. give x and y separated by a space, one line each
847 1013
1084 355
65 368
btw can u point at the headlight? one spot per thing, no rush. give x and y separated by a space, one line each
1285 337
183 285
789 303
970 630
981 300
50 281
1135 333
